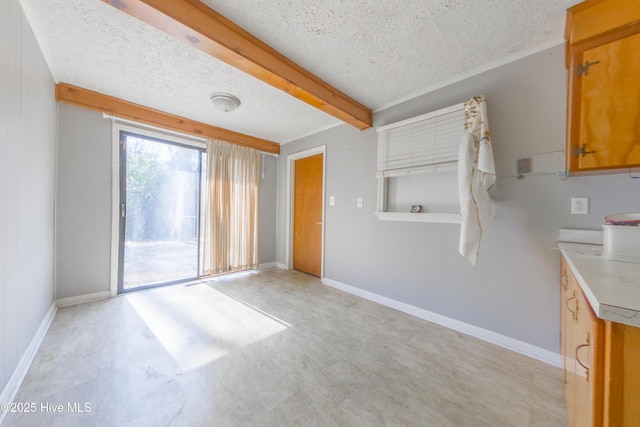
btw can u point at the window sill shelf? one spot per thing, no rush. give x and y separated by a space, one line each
445 218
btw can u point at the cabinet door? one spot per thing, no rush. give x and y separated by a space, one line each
582 353
588 355
564 291
622 376
631 375
605 112
568 321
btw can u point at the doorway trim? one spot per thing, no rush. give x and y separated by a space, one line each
291 161
153 132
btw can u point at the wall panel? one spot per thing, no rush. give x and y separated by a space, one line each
28 117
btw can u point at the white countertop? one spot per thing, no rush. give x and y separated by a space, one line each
612 287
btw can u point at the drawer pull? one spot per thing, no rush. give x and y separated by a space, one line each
574 314
585 367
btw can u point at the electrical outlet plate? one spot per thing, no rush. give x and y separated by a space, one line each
579 205
524 165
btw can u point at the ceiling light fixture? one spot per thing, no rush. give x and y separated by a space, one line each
224 101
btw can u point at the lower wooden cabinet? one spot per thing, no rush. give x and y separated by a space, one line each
622 375
582 354
601 361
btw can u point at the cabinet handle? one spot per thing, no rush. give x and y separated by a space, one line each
585 367
563 279
582 150
583 69
574 314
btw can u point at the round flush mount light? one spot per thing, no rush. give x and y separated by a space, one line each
224 101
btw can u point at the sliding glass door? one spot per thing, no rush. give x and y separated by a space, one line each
160 211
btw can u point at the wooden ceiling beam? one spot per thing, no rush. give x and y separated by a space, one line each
197 25
85 98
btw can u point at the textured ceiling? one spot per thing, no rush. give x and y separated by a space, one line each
378 52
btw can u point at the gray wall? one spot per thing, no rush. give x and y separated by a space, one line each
514 288
84 204
27 173
267 220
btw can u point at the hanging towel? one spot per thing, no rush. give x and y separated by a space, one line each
476 173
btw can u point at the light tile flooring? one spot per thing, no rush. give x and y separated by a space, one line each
275 348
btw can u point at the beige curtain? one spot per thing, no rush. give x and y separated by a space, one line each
476 173
231 208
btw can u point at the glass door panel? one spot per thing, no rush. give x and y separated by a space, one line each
160 212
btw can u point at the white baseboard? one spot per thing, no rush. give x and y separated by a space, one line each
10 390
266 265
281 266
63 302
518 346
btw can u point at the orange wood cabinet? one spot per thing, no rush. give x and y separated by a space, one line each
582 354
601 361
622 375
603 57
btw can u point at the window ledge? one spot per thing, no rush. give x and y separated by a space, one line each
446 218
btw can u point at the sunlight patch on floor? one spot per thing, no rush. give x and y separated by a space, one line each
198 325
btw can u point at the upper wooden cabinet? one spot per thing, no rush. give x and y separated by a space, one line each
603 57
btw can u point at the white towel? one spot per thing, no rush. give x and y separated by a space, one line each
476 173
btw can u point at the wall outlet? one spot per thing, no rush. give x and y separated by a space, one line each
579 205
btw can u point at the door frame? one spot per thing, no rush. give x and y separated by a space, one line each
119 125
291 166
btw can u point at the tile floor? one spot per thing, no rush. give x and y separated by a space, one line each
274 348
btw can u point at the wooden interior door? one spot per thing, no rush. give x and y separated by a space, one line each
307 214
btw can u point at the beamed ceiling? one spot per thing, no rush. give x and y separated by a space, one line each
298 67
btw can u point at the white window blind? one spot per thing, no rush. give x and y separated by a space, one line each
423 144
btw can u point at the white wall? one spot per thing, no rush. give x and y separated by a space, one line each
83 205
27 173
513 290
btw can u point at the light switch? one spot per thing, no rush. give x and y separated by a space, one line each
359 202
332 200
524 165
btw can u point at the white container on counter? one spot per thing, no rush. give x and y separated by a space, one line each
621 243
